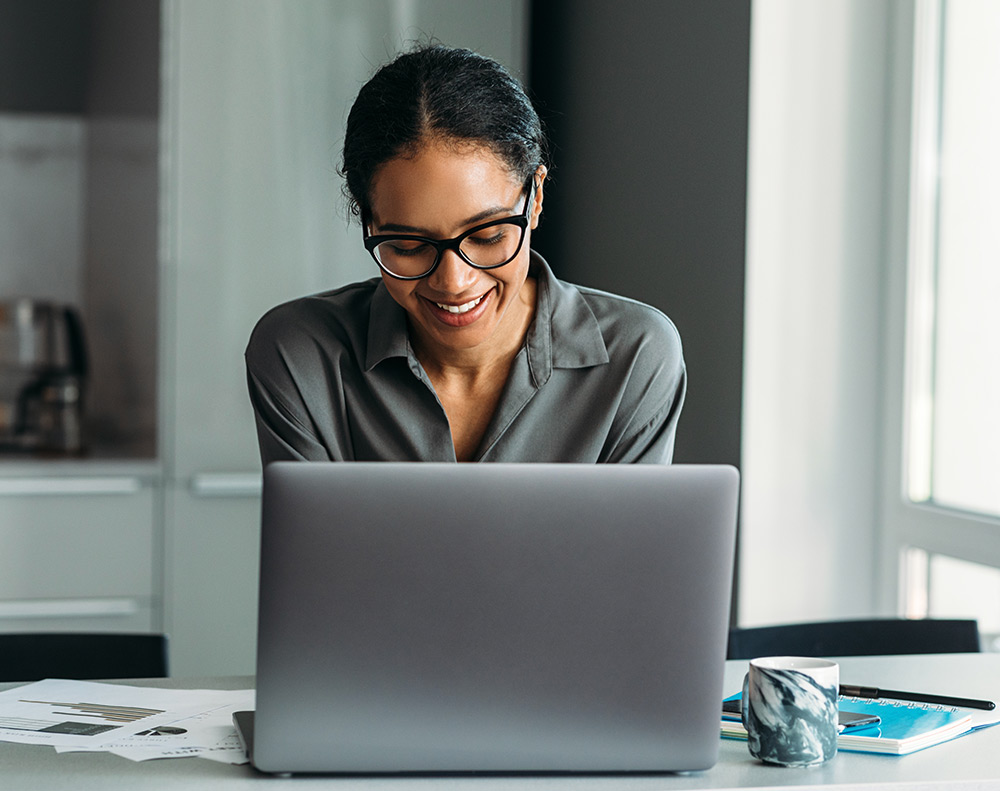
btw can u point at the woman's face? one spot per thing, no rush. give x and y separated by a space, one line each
440 192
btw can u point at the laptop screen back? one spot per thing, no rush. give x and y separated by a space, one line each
509 618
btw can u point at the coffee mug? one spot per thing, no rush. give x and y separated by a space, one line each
790 710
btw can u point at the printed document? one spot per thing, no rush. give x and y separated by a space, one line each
138 723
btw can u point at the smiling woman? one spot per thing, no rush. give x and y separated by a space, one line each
466 347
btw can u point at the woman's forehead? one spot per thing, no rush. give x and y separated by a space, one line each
441 187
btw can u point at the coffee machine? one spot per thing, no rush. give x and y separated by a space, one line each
43 374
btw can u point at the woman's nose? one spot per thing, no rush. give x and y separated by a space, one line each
453 275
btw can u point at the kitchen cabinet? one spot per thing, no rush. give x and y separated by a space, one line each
81 536
79 192
78 552
214 546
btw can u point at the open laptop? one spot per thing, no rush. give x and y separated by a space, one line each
491 617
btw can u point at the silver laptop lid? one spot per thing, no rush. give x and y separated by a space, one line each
491 617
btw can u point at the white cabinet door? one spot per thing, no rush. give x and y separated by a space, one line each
212 583
77 554
255 104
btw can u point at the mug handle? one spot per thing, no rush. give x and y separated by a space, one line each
745 701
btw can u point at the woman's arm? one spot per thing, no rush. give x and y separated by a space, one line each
653 441
280 435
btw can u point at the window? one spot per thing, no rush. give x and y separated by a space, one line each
944 514
955 425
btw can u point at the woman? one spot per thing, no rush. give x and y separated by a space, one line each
466 347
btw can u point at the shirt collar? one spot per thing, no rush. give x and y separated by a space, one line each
564 333
387 332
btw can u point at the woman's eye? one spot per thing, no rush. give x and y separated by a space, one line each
493 236
408 248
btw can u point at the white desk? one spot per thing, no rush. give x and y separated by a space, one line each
974 759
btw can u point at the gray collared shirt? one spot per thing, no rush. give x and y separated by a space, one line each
600 378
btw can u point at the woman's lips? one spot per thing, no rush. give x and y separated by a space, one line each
459 314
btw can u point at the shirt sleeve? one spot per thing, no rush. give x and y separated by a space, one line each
293 387
279 435
653 442
653 393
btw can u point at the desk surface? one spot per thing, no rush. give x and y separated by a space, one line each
974 758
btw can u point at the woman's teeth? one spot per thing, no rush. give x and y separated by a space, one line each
460 308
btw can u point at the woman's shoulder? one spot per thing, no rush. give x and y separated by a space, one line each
342 306
627 321
337 315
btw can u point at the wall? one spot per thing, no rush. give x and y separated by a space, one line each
815 249
41 205
43 55
646 104
43 80
78 189
121 288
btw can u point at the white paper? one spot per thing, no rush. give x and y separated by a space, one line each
138 723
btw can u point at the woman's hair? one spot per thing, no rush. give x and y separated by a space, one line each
443 94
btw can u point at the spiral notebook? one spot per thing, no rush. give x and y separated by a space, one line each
904 727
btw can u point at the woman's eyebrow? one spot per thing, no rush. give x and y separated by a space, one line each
486 214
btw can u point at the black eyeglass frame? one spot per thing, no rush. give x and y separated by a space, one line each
440 245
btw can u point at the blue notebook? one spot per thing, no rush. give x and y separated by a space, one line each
905 727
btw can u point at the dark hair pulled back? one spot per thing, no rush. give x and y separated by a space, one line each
438 93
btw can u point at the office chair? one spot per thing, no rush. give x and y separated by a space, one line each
32 657
864 637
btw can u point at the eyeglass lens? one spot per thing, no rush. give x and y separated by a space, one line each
492 246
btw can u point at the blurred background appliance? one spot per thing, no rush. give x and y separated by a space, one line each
43 373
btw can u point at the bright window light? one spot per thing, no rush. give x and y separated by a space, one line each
954 391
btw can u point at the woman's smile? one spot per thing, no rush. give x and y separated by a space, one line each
457 309
460 314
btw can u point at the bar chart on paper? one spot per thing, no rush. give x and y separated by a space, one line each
62 712
116 714
102 717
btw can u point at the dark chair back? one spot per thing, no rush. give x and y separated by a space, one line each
856 638
32 657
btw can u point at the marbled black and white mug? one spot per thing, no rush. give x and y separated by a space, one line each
790 710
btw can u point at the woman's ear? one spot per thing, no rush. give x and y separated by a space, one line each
536 210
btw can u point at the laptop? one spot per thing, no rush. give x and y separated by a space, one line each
506 618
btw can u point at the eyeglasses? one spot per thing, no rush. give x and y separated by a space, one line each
487 246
